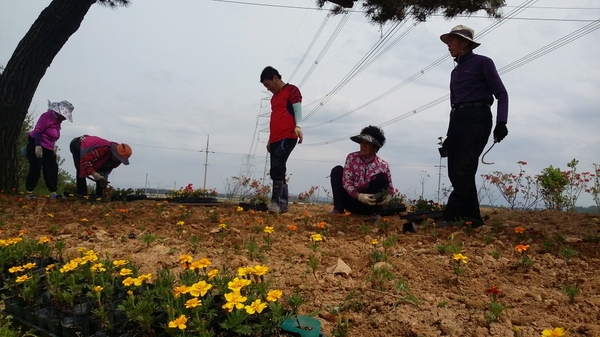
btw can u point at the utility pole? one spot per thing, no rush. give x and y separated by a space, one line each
440 143
206 160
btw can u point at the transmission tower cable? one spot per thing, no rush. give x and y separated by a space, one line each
440 60
312 43
326 47
508 68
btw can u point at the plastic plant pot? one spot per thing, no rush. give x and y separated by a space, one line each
308 327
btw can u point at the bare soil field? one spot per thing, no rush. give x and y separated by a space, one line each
398 284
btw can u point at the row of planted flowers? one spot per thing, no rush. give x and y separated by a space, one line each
95 296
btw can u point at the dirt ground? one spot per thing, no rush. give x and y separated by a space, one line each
420 296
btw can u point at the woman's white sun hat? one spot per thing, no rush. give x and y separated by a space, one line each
64 108
464 32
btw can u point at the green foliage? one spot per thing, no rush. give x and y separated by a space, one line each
450 247
341 328
553 183
495 310
571 291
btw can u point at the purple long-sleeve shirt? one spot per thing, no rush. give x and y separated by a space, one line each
47 130
475 79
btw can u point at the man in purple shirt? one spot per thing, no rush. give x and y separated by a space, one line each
474 82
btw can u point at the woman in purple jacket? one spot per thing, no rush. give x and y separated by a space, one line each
40 147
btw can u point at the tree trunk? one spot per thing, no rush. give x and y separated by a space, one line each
24 71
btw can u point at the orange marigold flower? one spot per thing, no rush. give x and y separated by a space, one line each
519 230
493 290
292 227
521 248
321 224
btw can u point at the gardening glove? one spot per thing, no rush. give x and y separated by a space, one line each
298 131
97 176
38 151
366 199
269 147
500 131
444 149
385 201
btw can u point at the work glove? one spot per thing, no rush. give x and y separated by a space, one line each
385 201
269 147
38 151
103 183
444 149
298 131
500 131
366 199
97 176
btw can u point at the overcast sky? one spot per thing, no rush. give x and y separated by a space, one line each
164 77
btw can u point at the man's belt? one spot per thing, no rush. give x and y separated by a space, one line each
470 104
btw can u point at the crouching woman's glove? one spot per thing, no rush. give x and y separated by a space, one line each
366 199
386 200
97 176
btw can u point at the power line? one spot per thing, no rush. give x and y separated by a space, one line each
440 60
508 68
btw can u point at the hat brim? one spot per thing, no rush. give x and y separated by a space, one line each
115 152
445 38
368 138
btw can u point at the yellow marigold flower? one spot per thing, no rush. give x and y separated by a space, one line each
97 289
15 269
119 263
274 295
44 239
374 242
192 303
237 284
519 230
129 292
128 281
22 278
125 272
81 249
223 225
77 260
240 209
557 332
84 220
177 291
24 207
145 277
89 258
211 274
269 229
202 263
256 306
199 289
97 267
180 223
316 237
259 270
459 257
186 258
234 300
243 271
29 265
107 215
179 323
50 215
521 248
137 282
50 266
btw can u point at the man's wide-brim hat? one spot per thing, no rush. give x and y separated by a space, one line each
121 151
463 31
366 137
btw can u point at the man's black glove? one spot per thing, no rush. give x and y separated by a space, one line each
500 131
444 149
